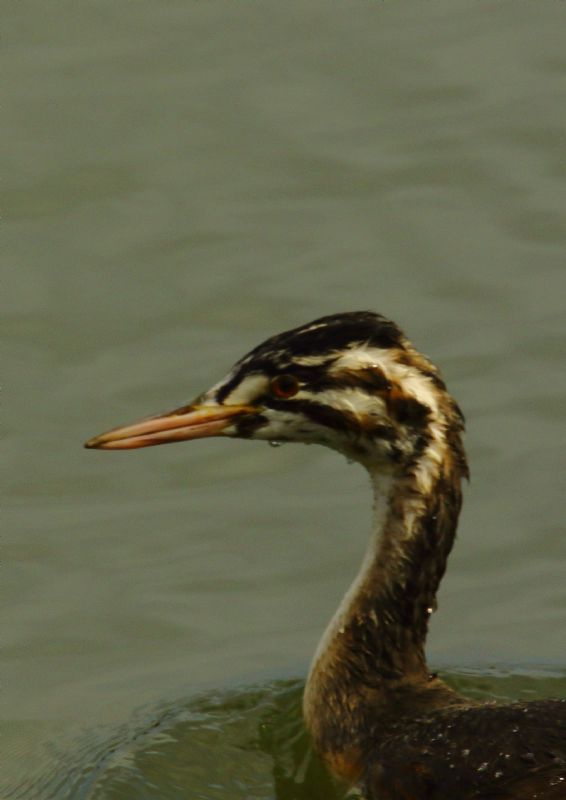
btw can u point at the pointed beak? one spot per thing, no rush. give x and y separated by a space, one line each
188 422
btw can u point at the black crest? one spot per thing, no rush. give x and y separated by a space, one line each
329 334
325 336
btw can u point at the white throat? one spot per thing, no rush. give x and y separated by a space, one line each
382 484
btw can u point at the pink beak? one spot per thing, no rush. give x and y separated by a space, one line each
188 422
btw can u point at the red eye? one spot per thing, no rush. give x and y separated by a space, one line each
284 386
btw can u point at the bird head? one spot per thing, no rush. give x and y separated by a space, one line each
349 381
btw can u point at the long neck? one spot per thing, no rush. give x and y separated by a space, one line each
375 641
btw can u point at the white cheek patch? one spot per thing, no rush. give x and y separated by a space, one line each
247 390
348 398
422 389
416 385
412 380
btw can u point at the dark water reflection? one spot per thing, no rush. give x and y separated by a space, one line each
231 746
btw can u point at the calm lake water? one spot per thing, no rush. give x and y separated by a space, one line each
183 180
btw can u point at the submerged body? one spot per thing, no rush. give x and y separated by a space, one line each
354 383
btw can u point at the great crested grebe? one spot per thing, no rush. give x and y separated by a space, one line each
376 715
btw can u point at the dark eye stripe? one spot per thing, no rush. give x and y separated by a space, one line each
246 426
318 412
408 410
370 380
